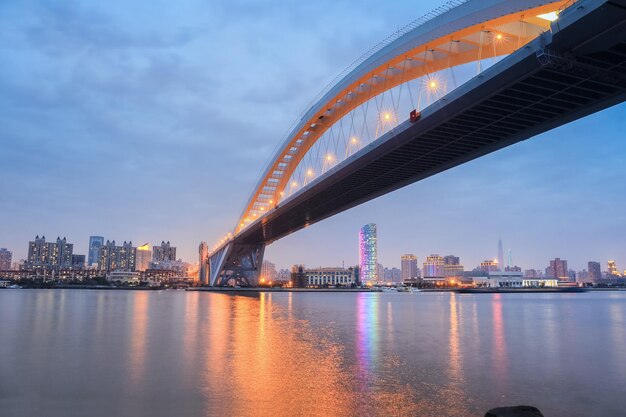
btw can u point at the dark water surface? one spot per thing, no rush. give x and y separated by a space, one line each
176 353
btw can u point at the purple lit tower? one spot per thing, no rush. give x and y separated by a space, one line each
368 254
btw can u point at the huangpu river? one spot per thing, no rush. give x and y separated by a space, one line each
176 353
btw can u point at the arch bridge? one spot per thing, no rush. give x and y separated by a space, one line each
465 80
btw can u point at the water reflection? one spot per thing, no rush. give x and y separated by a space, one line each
499 342
176 353
367 333
137 333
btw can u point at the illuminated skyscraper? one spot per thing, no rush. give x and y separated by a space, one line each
489 265
408 266
143 257
612 269
595 272
433 267
95 243
368 254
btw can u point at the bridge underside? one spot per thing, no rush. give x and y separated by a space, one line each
576 70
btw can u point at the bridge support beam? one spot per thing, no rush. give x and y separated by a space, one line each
236 264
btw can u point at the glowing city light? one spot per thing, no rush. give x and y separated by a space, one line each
294 184
432 84
499 36
329 158
354 140
309 172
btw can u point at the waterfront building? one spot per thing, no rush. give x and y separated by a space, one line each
298 277
612 270
452 266
394 275
329 277
558 269
268 272
500 255
5 259
408 266
433 267
203 265
368 254
489 265
127 277
163 253
95 243
143 257
512 279
114 257
49 255
533 273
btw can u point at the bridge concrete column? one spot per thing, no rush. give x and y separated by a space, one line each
236 264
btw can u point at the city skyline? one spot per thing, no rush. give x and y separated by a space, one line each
546 197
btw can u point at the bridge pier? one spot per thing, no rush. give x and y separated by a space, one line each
236 264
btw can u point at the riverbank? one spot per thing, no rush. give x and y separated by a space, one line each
267 289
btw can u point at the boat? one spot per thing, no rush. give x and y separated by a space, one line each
14 287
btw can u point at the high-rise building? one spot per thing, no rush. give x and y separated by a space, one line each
78 261
368 254
5 259
558 269
164 253
117 258
612 269
452 266
49 255
143 256
489 265
408 266
433 267
394 275
500 255
95 243
203 268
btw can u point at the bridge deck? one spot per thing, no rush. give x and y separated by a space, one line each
575 70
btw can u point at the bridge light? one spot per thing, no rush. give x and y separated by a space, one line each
551 17
294 184
329 158
432 85
499 36
271 201
387 116
354 140
309 172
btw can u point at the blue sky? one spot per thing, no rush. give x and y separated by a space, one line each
151 121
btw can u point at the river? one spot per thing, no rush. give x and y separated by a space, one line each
176 353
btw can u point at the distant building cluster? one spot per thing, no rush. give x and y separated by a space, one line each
442 270
56 260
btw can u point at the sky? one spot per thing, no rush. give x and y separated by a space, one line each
152 120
